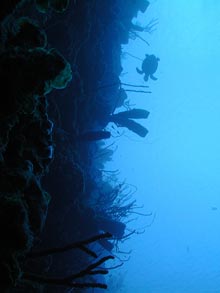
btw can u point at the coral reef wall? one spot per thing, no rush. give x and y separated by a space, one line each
52 114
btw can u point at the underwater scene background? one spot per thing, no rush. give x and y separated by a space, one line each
176 168
109 146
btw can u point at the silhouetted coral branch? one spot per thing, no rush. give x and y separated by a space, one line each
88 270
118 84
134 85
61 282
69 280
143 92
75 245
134 35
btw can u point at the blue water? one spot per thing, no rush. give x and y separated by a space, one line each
176 167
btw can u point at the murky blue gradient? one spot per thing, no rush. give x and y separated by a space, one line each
176 168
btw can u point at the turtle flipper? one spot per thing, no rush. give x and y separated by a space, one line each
139 71
153 77
146 77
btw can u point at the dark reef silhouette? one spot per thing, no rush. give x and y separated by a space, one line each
56 198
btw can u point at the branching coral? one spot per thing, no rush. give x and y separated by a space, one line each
70 281
116 201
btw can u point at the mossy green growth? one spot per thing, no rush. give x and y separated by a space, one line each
42 70
42 5
60 72
63 78
57 5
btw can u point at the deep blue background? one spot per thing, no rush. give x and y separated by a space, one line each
176 168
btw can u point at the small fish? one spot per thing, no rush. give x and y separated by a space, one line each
214 208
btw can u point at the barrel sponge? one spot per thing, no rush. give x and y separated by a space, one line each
63 78
26 34
61 68
49 67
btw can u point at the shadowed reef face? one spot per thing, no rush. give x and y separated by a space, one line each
50 178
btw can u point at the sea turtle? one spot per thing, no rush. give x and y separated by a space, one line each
149 67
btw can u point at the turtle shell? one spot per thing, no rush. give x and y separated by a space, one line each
150 64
